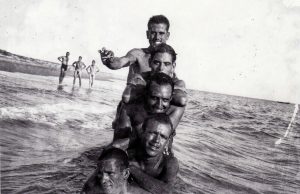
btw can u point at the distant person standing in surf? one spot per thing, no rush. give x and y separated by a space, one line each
92 70
64 66
78 65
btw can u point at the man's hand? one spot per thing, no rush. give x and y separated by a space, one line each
107 56
134 164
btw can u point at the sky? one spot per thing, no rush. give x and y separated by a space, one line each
246 48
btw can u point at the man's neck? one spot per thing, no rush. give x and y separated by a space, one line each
145 158
124 189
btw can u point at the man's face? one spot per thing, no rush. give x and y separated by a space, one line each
156 137
159 97
67 54
157 34
79 59
162 62
110 176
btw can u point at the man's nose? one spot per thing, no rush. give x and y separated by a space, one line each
157 138
160 103
105 177
159 67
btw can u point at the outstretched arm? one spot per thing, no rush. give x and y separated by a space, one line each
162 185
112 62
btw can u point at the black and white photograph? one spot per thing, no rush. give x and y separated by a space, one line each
150 97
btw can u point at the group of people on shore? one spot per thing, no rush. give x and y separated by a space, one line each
78 67
140 158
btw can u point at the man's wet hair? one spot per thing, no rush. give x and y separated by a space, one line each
159 19
161 79
162 118
115 153
163 48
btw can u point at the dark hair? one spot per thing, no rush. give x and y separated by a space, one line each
163 48
159 19
160 79
160 118
116 153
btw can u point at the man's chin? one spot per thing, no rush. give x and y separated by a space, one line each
107 189
151 153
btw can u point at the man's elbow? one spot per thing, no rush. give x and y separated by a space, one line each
168 189
180 101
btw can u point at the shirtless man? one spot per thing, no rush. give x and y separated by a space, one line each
162 59
150 168
92 70
111 175
138 59
158 96
78 65
64 66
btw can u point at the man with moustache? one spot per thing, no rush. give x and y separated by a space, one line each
111 175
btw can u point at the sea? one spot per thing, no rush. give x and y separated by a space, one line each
51 137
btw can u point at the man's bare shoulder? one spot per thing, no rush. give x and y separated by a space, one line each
135 189
137 52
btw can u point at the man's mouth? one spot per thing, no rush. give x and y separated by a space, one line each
153 147
157 42
106 185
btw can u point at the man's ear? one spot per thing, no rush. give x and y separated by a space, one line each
168 35
126 173
174 65
148 34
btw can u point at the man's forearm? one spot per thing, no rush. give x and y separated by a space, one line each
117 63
149 183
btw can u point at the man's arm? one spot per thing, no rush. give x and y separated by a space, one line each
84 66
87 69
175 113
60 58
164 184
112 62
123 129
179 95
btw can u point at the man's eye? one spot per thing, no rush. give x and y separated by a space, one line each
166 100
156 62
